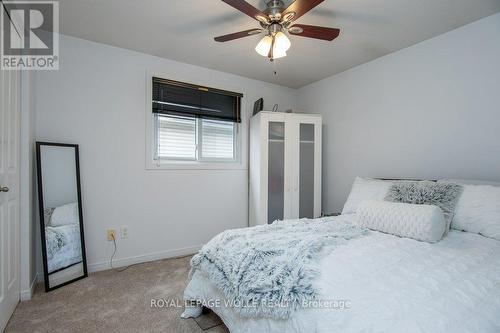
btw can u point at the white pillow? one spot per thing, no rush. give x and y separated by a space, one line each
469 182
365 189
478 210
64 215
421 222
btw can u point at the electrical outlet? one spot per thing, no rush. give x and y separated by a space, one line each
111 234
124 232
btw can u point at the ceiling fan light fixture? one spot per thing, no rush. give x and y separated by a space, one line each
264 46
278 53
281 42
280 45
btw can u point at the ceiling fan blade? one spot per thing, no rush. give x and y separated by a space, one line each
237 35
313 31
248 9
298 8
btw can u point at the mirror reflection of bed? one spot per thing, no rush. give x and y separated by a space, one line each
62 235
63 250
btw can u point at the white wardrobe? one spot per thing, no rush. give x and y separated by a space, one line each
285 166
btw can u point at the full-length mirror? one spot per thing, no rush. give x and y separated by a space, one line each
61 221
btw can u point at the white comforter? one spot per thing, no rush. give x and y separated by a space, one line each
392 285
71 252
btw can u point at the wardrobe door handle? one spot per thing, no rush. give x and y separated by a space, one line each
4 189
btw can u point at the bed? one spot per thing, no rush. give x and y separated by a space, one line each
391 284
62 237
63 247
384 283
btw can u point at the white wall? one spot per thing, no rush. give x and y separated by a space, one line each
97 99
429 111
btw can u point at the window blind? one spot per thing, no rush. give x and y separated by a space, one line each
217 139
176 137
183 99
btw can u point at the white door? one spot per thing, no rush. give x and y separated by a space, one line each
306 164
9 193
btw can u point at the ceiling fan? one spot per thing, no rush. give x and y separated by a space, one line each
276 21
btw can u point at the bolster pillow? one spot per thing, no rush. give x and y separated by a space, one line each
421 222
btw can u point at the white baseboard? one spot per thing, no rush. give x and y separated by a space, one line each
25 295
104 265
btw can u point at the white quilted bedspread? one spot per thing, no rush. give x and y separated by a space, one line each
393 285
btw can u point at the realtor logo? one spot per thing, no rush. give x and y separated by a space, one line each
29 35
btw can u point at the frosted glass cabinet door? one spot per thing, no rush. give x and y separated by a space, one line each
276 171
306 170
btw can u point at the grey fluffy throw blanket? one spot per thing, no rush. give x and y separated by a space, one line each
269 270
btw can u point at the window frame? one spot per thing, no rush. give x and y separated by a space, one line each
239 161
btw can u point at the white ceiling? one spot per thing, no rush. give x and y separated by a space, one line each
183 30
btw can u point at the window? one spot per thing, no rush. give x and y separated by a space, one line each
194 139
175 137
193 123
217 139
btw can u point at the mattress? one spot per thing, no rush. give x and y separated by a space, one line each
383 283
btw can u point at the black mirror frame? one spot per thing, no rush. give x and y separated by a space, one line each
41 213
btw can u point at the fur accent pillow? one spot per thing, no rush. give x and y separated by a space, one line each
421 222
443 195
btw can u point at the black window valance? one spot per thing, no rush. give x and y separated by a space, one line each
177 98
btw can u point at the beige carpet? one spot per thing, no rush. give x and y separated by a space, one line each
112 301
